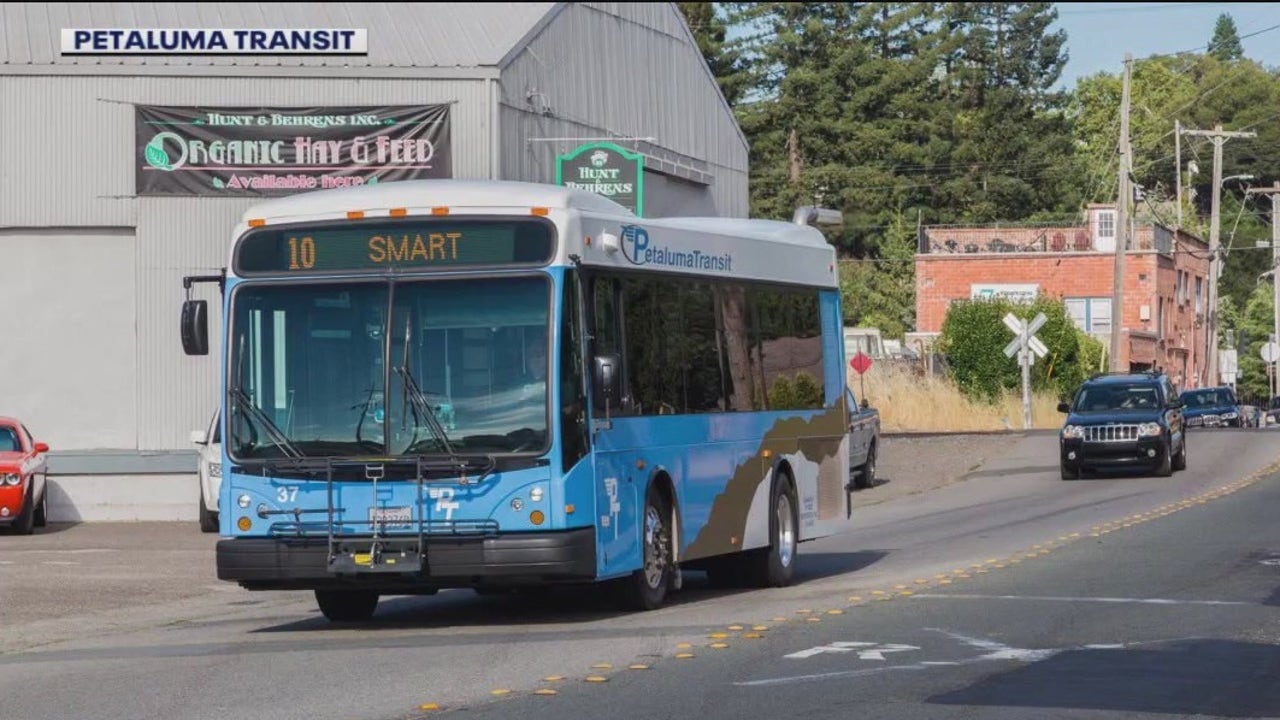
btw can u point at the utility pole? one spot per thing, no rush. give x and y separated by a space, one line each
1177 153
1219 138
1274 192
1122 224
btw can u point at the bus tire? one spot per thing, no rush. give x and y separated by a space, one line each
347 605
775 565
646 588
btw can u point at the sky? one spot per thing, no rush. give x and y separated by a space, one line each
1099 34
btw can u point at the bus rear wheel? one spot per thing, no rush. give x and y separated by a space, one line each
772 566
646 588
347 605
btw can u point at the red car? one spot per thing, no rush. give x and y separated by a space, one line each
23 490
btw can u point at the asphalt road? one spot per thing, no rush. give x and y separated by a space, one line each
1009 594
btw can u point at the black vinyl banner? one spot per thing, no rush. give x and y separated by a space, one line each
281 151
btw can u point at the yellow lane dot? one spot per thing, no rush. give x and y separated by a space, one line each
963 576
638 666
814 619
944 582
779 619
999 565
718 636
553 678
922 581
835 612
1036 547
992 561
885 598
906 592
944 576
877 592
855 598
683 656
805 611
719 646
981 571
428 707
752 636
976 566
899 587
602 666
684 646
735 627
596 678
500 691
958 570
544 691
1095 534
759 628
1065 538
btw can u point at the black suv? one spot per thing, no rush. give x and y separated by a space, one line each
1123 420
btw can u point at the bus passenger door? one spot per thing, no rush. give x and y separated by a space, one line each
613 450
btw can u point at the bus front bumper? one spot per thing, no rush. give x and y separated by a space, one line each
303 563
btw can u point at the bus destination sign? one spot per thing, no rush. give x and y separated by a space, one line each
406 245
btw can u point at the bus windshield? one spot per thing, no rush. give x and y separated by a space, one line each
370 369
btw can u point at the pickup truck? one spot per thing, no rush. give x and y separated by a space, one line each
864 441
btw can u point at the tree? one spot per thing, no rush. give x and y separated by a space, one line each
1256 324
1225 44
710 29
973 339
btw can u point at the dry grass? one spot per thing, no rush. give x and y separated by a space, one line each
930 404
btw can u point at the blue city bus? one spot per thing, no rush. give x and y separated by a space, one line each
500 386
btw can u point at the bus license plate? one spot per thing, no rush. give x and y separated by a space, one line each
391 518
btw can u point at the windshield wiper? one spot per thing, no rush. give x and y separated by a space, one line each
422 408
273 431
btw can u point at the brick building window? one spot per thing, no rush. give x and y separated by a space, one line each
1092 315
1199 297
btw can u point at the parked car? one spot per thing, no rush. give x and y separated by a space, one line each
24 496
1122 420
1212 407
209 442
864 441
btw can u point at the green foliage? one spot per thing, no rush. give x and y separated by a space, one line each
937 112
802 391
710 28
1225 44
1256 327
974 335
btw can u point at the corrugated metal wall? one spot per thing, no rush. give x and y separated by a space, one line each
68 150
624 69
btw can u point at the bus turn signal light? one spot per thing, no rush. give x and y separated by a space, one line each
536 517
541 211
442 210
257 222
355 214
244 524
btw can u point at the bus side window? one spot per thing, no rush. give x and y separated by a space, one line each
606 330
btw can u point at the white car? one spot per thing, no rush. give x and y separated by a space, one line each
210 470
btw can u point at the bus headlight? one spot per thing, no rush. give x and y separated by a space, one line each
244 501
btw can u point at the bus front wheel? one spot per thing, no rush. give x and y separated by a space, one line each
347 605
646 588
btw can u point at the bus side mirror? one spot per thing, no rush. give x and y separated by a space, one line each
604 379
195 327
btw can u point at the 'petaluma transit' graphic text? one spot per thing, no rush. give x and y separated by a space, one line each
638 249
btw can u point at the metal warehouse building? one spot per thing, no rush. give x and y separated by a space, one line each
94 241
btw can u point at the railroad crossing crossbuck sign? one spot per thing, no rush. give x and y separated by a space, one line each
1027 347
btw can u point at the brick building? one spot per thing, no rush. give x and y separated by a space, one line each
1166 282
